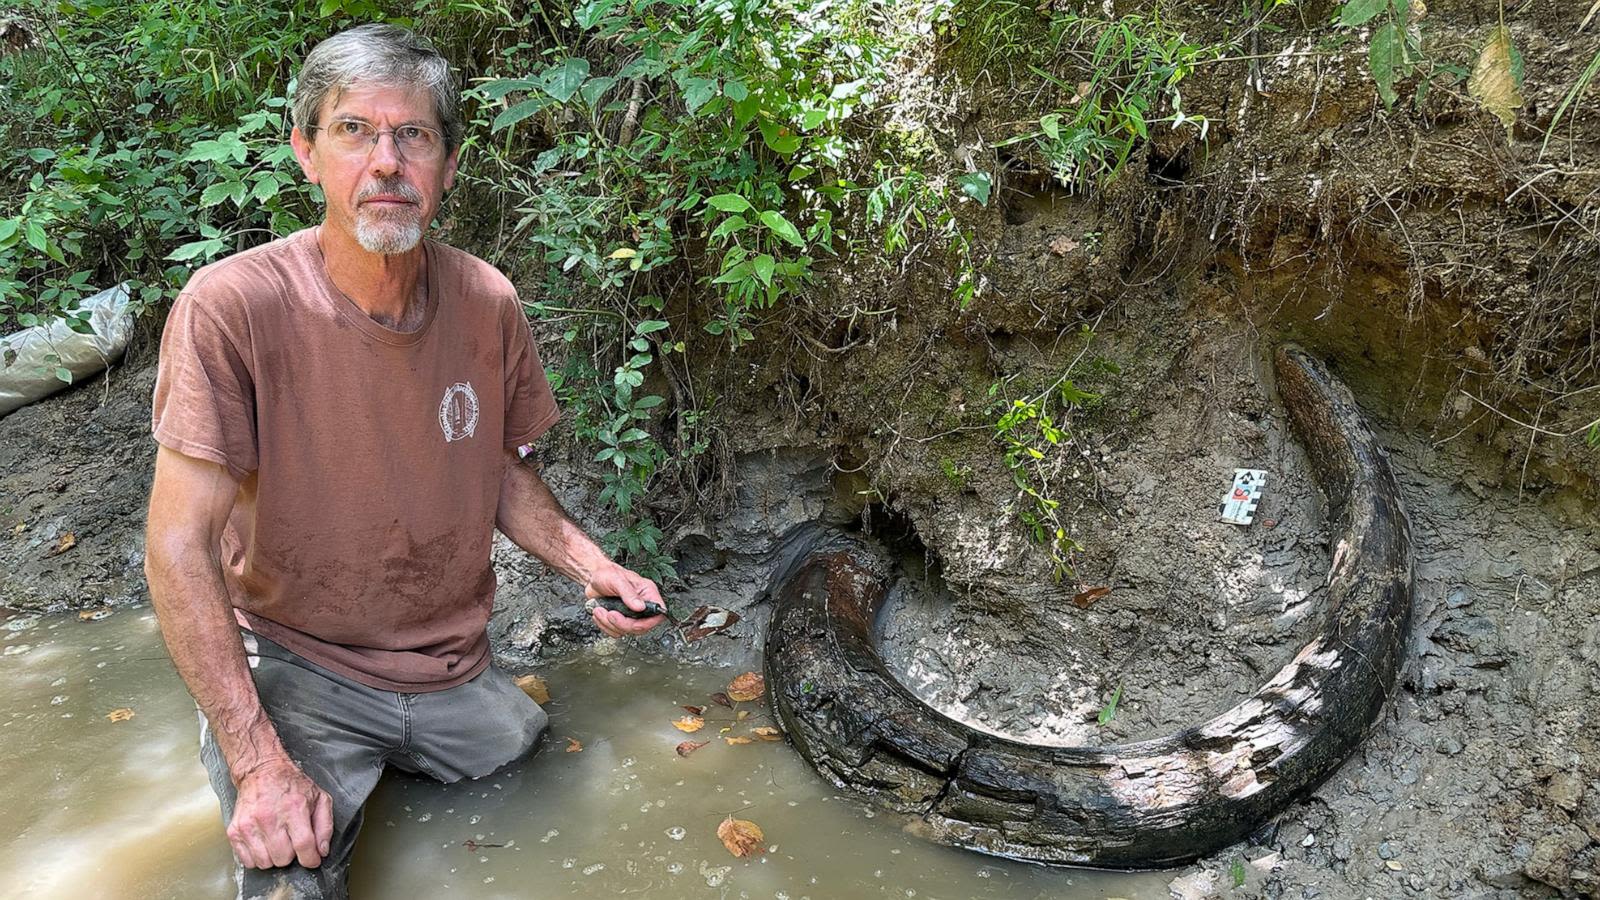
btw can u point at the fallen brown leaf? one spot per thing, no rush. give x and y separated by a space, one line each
695 710
749 686
94 615
721 699
742 838
690 724
534 687
688 747
574 746
1086 599
1061 245
120 715
67 541
739 739
706 621
767 733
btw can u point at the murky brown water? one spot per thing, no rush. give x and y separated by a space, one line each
97 808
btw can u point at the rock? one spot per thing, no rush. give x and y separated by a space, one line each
1386 851
1565 790
1458 598
1447 745
1200 885
1553 855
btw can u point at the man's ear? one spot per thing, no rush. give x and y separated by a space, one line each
450 168
302 154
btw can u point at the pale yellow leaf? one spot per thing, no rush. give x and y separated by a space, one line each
689 723
767 733
120 715
739 739
1492 83
624 253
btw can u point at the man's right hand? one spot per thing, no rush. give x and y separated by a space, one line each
280 816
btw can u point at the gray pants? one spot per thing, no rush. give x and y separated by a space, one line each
342 733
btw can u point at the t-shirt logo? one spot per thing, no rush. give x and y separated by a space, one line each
458 412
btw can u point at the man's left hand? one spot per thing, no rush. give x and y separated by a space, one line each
634 589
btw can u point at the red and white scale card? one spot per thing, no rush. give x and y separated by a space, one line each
1240 504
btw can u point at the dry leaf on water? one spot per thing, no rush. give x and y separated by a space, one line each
534 687
739 739
573 745
120 715
695 710
688 747
721 699
742 715
742 838
94 615
749 686
690 724
67 542
1085 599
767 733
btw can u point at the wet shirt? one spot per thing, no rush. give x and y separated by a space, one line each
369 460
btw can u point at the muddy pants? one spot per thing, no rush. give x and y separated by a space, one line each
342 733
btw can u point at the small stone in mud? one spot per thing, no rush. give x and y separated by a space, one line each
1448 745
1458 598
1386 851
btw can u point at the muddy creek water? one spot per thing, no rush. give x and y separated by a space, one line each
113 809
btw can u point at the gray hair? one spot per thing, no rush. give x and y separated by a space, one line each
377 54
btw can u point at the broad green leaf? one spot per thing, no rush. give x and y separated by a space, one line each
728 202
64 374
563 80
649 326
623 253
499 88
976 185
595 88
1051 126
1494 79
762 265
812 118
36 236
735 91
782 227
195 248
519 112
1357 12
729 226
216 193
697 91
8 227
1385 57
782 144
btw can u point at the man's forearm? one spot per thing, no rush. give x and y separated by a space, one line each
202 638
531 516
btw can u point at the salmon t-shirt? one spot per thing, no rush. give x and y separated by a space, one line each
369 460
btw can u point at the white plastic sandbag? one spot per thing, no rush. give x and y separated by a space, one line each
30 377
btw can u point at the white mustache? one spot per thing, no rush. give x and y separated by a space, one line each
397 188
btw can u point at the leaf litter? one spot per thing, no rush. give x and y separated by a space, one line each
742 837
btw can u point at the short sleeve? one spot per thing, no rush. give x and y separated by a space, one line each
204 403
530 404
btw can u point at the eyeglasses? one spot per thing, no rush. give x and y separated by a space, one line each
355 137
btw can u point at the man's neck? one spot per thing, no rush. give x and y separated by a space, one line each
387 287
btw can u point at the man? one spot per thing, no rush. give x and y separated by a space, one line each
338 414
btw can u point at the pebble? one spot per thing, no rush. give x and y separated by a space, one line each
1458 598
1386 851
1448 745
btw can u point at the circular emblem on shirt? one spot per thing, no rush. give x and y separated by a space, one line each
458 412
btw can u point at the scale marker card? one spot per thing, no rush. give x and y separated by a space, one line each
1242 498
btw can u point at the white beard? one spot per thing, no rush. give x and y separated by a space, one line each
377 233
